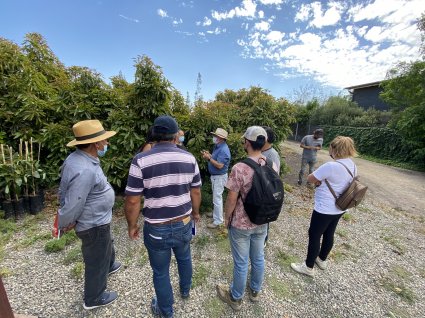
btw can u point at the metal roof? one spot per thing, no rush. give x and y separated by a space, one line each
365 85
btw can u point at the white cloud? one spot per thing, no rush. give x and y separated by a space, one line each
275 37
261 14
216 31
129 19
262 26
207 21
162 13
303 13
177 21
271 2
247 10
329 17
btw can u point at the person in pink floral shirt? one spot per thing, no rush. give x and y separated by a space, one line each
246 238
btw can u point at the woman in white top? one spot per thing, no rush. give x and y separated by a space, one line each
326 214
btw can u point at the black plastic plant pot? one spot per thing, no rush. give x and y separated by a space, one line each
41 195
26 204
35 204
18 206
9 212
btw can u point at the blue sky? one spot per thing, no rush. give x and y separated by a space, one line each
284 46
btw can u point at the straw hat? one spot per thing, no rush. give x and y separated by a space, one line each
220 132
89 131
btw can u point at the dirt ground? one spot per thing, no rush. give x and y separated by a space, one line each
400 188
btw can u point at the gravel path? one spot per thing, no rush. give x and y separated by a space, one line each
377 269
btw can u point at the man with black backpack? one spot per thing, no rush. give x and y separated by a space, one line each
247 215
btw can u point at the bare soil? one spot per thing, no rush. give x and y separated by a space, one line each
399 188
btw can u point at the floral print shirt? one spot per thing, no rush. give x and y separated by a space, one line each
240 180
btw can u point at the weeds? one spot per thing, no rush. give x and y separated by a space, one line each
280 289
348 217
77 271
73 255
342 233
33 239
201 241
284 259
4 272
214 307
395 243
395 281
200 275
57 245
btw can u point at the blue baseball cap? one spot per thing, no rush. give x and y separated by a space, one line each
165 125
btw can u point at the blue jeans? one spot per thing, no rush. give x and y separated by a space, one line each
99 256
247 244
218 182
159 241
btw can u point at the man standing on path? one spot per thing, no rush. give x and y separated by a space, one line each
310 145
218 164
86 200
169 180
246 238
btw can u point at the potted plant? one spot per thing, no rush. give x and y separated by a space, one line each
37 175
5 180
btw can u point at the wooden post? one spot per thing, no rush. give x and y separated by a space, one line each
5 309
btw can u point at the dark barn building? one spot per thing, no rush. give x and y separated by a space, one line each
367 96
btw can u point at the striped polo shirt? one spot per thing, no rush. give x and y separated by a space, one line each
164 175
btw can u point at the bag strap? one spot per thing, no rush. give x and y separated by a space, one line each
251 163
329 186
330 189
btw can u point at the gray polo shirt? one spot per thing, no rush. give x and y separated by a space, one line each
272 155
311 154
85 195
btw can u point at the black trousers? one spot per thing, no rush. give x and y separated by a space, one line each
321 225
99 255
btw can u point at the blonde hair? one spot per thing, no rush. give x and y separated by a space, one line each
343 147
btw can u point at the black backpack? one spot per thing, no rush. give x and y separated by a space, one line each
264 200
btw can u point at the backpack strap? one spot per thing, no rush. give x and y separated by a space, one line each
251 163
330 189
329 186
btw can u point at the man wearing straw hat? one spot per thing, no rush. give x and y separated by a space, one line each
218 164
86 201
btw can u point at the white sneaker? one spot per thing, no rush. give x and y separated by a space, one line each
321 264
302 269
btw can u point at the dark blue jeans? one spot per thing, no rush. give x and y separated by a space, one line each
159 241
99 255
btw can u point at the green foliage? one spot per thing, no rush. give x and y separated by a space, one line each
200 275
235 111
57 245
383 143
404 91
77 271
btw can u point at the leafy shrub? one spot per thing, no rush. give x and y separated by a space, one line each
383 143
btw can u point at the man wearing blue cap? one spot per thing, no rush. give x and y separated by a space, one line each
169 180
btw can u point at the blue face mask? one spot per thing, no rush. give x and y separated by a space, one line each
181 138
214 139
101 153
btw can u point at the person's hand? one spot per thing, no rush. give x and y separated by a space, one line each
196 217
134 232
68 228
206 154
